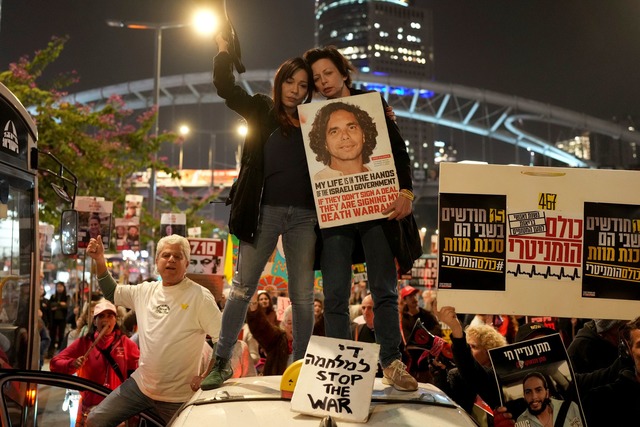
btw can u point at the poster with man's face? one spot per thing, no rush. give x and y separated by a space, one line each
173 223
132 206
94 219
127 234
349 158
206 266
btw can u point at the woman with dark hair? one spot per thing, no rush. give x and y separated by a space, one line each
390 245
272 197
58 305
104 355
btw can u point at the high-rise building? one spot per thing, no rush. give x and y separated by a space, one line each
385 37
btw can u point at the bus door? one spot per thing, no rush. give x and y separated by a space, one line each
18 232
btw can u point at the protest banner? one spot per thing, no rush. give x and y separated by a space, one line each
281 305
173 223
45 239
349 158
424 272
336 379
132 205
127 234
539 241
94 219
206 266
536 382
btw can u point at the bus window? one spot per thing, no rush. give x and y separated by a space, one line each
16 260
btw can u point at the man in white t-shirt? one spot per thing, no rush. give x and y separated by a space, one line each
174 316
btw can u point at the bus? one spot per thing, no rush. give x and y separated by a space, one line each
28 395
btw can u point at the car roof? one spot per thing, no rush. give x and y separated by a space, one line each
257 402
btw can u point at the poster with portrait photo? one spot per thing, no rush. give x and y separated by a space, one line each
132 206
349 158
173 223
536 380
206 266
94 219
127 234
45 239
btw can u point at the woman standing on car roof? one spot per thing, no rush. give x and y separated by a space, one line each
271 198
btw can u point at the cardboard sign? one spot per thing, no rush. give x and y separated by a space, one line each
349 158
127 234
281 305
132 206
173 223
336 379
539 241
94 218
45 239
207 256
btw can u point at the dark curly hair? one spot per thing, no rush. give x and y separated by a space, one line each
317 136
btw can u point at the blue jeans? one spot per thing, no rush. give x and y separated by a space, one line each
337 247
296 226
126 401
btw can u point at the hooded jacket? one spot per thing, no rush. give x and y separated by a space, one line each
589 351
96 368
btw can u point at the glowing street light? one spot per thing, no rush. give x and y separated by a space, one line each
185 130
204 22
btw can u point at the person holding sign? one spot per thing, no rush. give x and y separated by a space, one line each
616 404
272 197
343 137
384 241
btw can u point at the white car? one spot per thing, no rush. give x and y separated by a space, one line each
258 402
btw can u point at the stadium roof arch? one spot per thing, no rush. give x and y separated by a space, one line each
505 118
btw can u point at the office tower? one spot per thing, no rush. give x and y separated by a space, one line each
385 37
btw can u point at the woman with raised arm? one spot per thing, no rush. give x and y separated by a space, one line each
272 197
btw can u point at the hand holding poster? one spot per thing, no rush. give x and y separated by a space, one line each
336 379
537 384
349 158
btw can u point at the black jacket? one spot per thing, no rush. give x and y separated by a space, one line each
614 404
589 351
257 110
403 236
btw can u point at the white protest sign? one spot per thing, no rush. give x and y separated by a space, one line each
336 379
523 240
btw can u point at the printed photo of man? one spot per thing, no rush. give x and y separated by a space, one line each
204 264
543 410
343 137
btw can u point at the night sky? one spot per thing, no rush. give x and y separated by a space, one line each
583 55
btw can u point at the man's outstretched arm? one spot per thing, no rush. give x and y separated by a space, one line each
95 250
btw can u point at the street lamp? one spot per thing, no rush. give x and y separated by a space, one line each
205 22
185 130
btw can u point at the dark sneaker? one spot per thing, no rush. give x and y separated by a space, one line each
221 372
397 376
